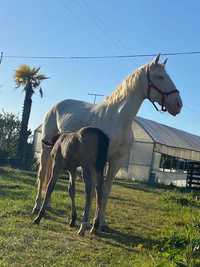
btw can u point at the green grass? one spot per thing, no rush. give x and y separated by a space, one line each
151 226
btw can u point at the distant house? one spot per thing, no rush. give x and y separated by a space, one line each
159 153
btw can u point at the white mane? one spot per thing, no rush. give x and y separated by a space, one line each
123 90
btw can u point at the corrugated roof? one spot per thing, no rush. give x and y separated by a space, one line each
169 136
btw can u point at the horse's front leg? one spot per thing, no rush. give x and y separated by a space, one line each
113 168
45 154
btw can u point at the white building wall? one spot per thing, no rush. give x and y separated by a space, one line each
141 154
140 161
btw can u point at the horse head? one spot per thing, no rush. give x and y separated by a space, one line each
161 89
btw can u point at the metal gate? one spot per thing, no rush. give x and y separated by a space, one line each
193 175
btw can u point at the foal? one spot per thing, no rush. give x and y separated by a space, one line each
87 148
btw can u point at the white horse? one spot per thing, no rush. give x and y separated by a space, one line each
114 116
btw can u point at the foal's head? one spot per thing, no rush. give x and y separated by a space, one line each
161 89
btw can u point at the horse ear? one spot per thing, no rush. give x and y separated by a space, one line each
165 61
157 59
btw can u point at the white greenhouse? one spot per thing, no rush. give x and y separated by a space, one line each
159 153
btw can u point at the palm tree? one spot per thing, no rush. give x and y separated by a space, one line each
30 79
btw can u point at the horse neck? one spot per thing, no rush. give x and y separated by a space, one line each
119 110
129 107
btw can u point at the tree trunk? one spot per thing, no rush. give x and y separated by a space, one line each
23 135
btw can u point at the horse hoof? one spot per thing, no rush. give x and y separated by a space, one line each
88 226
35 210
36 221
81 232
94 231
82 229
104 228
72 224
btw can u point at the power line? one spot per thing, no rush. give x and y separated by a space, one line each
100 57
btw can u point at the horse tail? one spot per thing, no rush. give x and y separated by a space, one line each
102 151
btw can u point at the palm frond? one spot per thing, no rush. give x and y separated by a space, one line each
41 92
25 74
42 77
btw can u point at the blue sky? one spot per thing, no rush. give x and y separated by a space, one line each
89 28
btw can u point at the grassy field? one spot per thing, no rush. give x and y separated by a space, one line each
151 226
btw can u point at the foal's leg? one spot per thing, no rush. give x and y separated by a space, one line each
72 192
89 189
51 185
99 196
41 176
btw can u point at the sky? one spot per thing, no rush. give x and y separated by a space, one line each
98 28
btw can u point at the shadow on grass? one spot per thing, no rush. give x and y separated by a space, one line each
127 240
14 192
56 214
30 179
115 238
139 186
16 213
121 199
14 175
185 202
150 188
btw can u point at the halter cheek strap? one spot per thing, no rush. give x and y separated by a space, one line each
163 94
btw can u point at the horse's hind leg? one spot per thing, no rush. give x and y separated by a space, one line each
45 152
50 187
89 189
47 178
72 192
99 199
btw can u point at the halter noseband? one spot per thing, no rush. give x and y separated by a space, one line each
163 94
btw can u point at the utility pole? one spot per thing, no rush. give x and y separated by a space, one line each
95 96
1 57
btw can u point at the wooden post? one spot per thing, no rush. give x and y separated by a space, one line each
1 57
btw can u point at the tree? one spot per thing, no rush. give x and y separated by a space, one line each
30 79
9 134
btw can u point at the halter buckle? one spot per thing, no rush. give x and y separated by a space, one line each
163 108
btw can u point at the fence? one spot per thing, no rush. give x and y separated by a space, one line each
193 175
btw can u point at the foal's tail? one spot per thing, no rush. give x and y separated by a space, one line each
102 152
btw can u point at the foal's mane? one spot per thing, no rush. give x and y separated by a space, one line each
123 90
